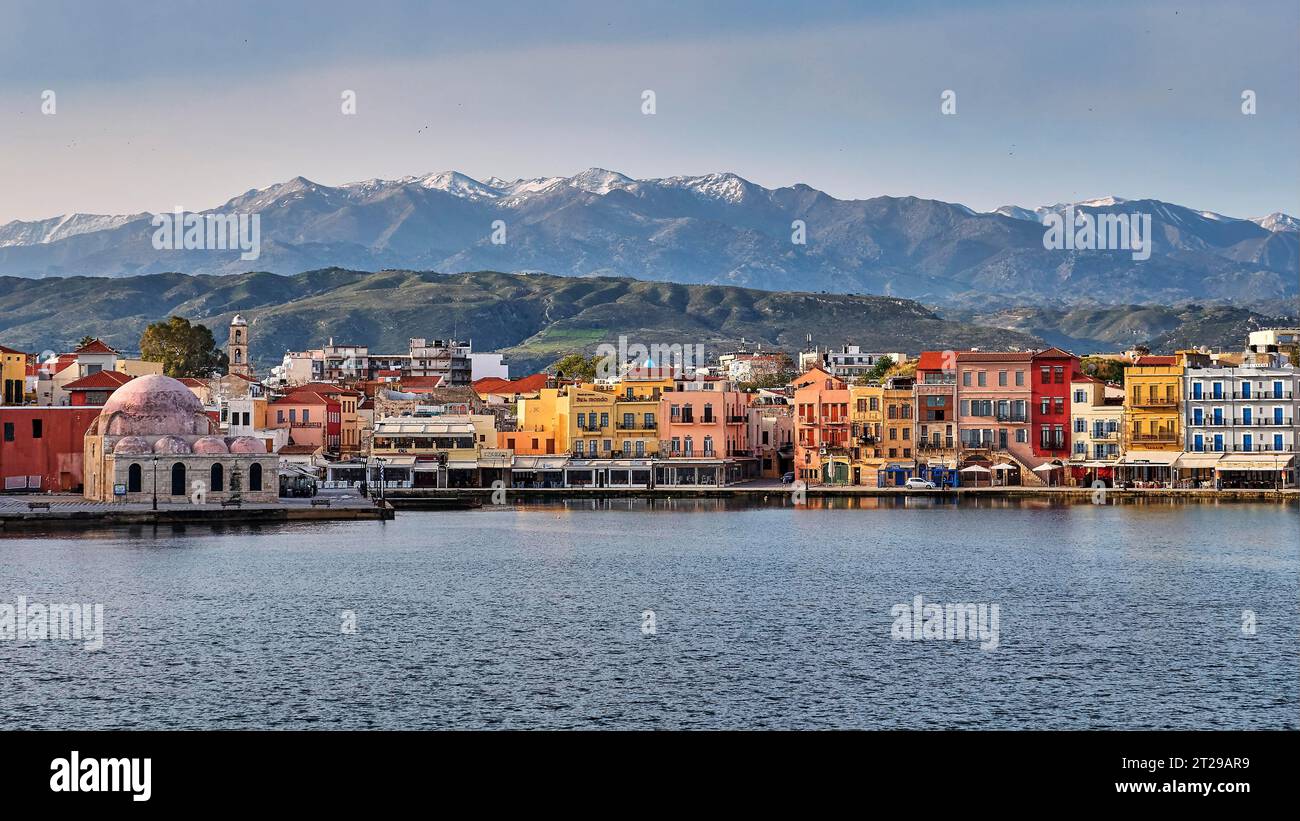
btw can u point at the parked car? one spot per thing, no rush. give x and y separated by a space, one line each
917 483
787 478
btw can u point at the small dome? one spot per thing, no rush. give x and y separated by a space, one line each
152 405
238 320
131 446
247 444
210 445
172 444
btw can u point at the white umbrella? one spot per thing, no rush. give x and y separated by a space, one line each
1004 466
1046 466
974 469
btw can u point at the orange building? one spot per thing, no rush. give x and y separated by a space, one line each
821 426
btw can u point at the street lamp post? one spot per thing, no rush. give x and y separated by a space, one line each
155 481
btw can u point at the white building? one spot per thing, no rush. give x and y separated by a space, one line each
1248 409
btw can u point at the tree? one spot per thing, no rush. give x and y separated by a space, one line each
877 372
1103 368
86 340
182 348
576 366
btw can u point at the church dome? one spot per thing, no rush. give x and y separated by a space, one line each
210 446
247 444
172 445
132 446
238 320
152 405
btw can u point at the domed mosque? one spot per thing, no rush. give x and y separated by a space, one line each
153 439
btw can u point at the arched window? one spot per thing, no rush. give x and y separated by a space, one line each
255 476
178 479
218 483
239 356
238 335
133 479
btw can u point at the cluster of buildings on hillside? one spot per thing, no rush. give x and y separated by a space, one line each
439 415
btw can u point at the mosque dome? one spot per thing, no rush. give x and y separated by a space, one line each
173 445
153 405
210 446
247 444
132 446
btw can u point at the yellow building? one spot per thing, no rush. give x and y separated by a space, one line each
13 375
896 428
866 413
1153 397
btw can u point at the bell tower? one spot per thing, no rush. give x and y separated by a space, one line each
237 347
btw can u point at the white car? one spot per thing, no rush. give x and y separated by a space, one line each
917 483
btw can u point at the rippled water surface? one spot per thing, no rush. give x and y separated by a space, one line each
1110 616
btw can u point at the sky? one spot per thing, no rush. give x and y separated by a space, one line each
178 103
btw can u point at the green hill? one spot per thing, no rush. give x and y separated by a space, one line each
533 318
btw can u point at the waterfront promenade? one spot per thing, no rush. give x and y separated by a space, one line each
21 512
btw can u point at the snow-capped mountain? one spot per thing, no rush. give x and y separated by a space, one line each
713 228
1277 221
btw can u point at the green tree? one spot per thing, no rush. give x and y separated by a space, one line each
86 340
576 366
1103 368
182 348
877 372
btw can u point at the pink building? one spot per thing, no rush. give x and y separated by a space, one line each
993 392
704 435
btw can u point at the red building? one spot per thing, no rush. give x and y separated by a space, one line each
1049 410
40 446
95 388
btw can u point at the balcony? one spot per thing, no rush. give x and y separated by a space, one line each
1164 436
1105 435
736 419
1155 402
643 425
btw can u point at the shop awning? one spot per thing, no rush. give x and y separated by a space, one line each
462 464
396 461
1255 461
530 464
1192 461
1150 458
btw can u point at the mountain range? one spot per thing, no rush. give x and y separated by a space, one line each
716 229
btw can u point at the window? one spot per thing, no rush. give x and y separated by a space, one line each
1080 397
1046 374
1060 404
1058 372
1002 378
578 447
982 379
279 415
306 415
178 479
218 478
9 431
37 428
965 378
133 478
255 476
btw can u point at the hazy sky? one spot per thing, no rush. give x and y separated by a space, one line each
189 103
